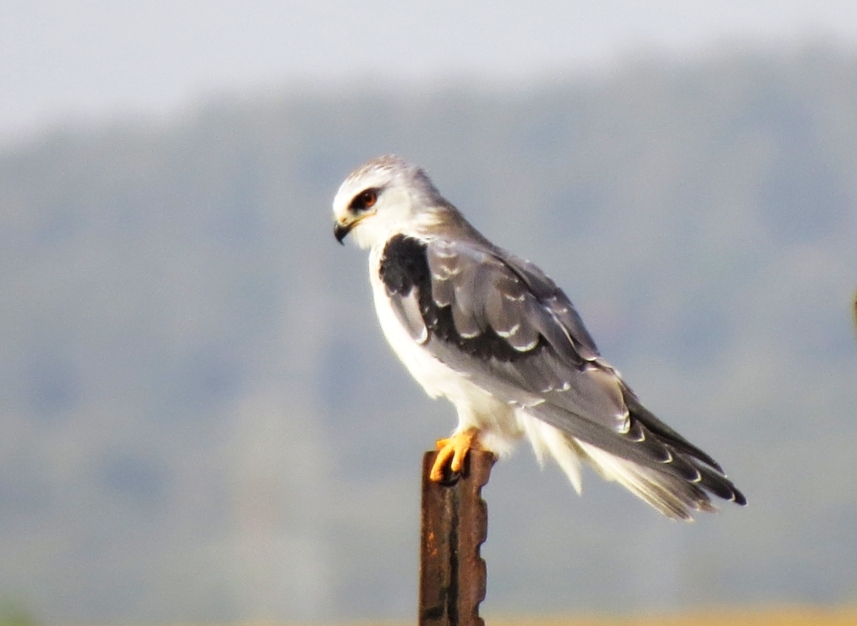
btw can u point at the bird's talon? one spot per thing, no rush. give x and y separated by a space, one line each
454 448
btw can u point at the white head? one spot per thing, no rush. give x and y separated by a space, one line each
386 196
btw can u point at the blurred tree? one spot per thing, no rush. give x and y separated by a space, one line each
13 613
855 310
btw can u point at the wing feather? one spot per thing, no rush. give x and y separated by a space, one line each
407 310
499 302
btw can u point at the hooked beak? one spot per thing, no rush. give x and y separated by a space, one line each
340 231
342 228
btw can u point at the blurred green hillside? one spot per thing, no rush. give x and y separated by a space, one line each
199 418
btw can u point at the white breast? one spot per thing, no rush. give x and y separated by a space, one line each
435 377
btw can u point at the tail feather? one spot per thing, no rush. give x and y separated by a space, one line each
651 460
669 494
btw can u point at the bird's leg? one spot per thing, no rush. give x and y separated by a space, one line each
456 448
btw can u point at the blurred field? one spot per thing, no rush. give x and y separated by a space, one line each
786 616
795 616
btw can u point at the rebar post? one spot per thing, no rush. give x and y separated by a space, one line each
454 526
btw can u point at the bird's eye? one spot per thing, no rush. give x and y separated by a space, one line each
364 200
369 197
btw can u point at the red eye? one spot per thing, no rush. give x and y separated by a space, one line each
364 200
368 197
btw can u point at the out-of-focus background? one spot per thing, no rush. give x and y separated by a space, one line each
199 418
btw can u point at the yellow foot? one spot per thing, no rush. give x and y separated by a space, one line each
456 448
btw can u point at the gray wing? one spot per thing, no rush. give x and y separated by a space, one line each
505 325
516 334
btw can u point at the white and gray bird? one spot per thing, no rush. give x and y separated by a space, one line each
493 334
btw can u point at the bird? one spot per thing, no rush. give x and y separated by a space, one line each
494 335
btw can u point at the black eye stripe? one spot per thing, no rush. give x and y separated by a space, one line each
364 200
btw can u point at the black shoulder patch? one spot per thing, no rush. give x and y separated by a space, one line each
404 266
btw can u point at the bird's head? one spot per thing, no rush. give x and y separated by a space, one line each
383 197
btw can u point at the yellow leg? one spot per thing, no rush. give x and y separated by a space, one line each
456 448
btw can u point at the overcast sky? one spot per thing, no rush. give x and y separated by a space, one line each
69 61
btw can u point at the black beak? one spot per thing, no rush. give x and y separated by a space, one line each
340 231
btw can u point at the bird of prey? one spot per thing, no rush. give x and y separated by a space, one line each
493 334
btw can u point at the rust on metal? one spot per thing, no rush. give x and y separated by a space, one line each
454 526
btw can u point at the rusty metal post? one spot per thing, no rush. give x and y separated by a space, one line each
454 526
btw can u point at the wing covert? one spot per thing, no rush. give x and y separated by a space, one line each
507 321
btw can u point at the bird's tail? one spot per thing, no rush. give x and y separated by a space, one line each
669 494
651 460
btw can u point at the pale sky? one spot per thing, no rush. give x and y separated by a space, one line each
68 61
